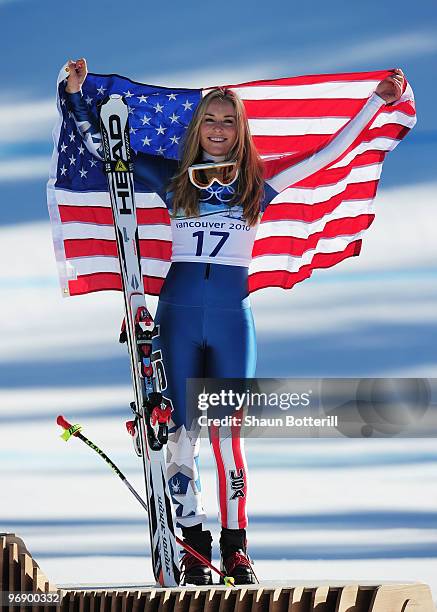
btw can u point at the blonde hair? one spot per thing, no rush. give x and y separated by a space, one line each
250 181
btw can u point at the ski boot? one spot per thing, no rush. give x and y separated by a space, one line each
235 561
193 570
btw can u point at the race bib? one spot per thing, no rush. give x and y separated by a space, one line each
213 239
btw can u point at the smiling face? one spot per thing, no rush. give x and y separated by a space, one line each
218 130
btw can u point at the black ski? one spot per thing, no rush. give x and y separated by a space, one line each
151 411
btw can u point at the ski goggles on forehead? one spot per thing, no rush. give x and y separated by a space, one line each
204 175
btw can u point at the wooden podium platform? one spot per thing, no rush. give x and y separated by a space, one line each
20 572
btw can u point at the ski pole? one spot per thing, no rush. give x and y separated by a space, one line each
75 430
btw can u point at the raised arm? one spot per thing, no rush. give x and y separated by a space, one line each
387 91
153 171
87 123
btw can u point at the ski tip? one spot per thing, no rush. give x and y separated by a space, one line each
229 581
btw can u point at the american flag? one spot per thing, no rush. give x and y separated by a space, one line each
315 223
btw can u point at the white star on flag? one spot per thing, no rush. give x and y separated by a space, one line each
72 160
173 118
146 141
101 90
187 105
128 94
158 108
171 96
142 98
63 148
72 136
83 173
89 100
175 139
145 120
81 149
160 130
63 170
160 151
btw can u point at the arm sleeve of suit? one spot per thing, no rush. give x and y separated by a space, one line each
328 154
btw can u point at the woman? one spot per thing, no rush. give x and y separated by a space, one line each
206 324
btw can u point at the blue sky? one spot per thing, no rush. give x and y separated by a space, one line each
140 39
206 44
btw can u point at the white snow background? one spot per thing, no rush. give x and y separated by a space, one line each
319 509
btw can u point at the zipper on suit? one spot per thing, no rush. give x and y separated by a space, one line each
207 268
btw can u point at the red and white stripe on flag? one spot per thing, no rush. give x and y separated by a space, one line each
315 223
319 221
90 247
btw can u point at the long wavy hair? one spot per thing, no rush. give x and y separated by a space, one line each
250 184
